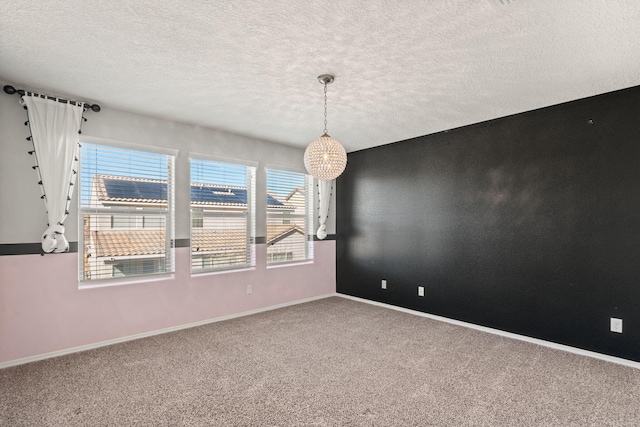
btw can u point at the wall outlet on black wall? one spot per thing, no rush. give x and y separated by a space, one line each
420 291
616 325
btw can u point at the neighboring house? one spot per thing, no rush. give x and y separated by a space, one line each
285 226
126 235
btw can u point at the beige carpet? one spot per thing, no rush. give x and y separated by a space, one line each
332 362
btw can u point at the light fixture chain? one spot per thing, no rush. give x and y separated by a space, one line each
325 107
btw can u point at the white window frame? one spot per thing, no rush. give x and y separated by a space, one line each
168 214
274 258
208 264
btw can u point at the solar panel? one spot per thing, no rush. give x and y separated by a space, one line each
129 189
132 189
272 201
207 194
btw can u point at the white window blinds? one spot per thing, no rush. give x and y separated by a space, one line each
222 215
127 212
289 216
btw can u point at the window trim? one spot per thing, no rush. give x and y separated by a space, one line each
221 159
251 188
170 255
309 215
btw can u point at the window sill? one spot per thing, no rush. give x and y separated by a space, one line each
107 283
217 272
289 264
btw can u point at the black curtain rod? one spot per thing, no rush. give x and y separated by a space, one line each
8 89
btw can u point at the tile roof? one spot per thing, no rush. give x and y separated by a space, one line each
294 191
280 231
203 240
144 242
128 243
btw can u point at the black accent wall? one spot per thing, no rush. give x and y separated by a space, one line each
528 224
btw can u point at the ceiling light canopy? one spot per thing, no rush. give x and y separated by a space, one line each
325 158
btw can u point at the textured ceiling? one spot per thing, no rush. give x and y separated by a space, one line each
403 69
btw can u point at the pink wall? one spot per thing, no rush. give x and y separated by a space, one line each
42 309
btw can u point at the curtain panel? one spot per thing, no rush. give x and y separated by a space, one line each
324 195
54 132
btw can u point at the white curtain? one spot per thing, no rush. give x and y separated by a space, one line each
324 194
54 131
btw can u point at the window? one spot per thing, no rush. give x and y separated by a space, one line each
279 257
197 219
289 216
126 202
222 215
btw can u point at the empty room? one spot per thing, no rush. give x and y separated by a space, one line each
338 213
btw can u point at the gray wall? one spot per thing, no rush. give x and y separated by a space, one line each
44 310
22 211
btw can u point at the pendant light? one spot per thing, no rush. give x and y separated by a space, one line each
325 158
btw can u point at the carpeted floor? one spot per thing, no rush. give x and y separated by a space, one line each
332 362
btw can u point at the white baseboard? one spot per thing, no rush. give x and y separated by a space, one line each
43 356
537 341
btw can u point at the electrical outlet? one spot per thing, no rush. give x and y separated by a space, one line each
616 325
249 289
420 291
384 284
